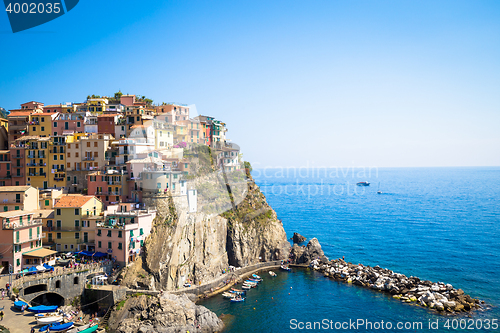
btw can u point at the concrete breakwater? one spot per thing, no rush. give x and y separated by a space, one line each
443 298
438 295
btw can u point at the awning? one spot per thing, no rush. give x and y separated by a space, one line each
40 253
100 254
47 266
32 269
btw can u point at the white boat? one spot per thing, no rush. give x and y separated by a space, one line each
272 273
48 318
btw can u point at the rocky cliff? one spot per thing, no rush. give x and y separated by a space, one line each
168 314
232 225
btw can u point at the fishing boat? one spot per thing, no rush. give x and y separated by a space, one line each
48 318
285 268
43 308
61 327
246 287
45 328
19 305
237 299
89 328
254 280
251 285
272 274
255 276
363 184
228 295
237 292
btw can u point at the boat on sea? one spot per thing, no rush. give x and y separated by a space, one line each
61 327
378 190
254 280
237 299
48 318
255 276
251 285
285 268
363 184
43 308
19 305
89 328
246 287
272 274
238 290
228 295
234 292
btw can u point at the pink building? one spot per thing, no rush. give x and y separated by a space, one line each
123 232
68 123
106 186
21 240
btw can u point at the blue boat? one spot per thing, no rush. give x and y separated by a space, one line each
20 304
45 328
43 308
237 299
62 327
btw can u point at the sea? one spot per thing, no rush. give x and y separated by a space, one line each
439 224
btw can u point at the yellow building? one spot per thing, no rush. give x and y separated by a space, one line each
18 198
69 213
40 124
97 105
57 162
37 168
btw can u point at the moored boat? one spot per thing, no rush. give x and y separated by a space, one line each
255 276
237 299
272 273
285 268
363 184
228 295
61 327
19 305
89 328
246 287
237 292
43 308
48 318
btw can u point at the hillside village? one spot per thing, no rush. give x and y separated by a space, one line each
73 177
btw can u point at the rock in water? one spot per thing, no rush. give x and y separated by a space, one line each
304 255
168 314
298 238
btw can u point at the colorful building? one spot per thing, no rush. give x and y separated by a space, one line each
18 198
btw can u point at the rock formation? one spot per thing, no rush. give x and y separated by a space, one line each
168 313
305 254
298 238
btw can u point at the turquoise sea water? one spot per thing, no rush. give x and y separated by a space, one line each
440 224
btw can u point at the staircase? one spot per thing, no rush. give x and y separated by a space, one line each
104 322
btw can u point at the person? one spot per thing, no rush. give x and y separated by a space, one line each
3 294
32 330
1 314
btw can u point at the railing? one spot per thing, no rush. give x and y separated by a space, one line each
14 225
88 158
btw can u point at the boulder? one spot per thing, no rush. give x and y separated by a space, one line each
312 251
298 238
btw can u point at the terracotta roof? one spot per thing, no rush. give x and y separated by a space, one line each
73 201
14 188
20 113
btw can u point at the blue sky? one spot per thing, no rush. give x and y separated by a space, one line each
317 83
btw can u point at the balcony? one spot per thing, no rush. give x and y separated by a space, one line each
69 229
17 156
88 158
16 225
58 179
6 177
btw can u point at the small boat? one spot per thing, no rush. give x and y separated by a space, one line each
237 292
272 274
363 184
237 299
89 328
246 287
285 268
43 308
49 318
61 327
45 328
378 190
254 280
250 283
19 304
228 295
255 276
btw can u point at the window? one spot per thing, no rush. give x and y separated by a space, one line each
88 144
99 245
5 208
109 245
18 262
31 234
119 246
58 284
95 144
77 146
55 124
77 124
42 128
77 223
75 280
47 202
58 223
61 157
99 233
131 233
109 233
55 157
77 235
141 232
77 211
58 235
120 234
58 211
